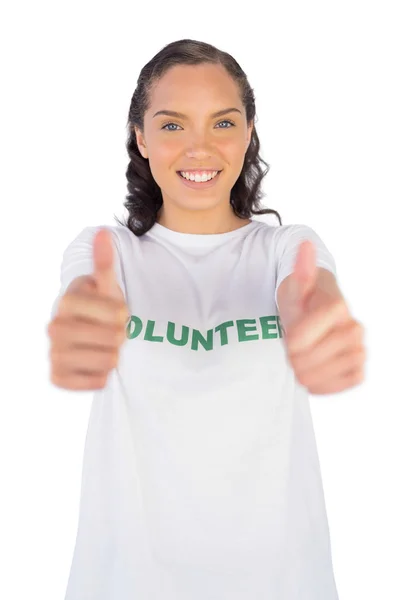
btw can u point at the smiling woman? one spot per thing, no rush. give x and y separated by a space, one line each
191 115
201 475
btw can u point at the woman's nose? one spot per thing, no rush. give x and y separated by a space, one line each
198 152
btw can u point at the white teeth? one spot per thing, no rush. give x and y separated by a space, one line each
198 178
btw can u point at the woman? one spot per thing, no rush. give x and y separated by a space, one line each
201 477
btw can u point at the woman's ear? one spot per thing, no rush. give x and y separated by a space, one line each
249 134
251 130
141 144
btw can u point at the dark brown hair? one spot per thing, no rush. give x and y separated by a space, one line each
145 198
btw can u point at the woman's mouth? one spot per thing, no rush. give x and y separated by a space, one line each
198 185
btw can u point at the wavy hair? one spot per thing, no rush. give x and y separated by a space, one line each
145 198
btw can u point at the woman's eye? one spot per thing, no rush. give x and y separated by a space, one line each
225 121
175 125
168 124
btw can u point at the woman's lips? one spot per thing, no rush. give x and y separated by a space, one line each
200 184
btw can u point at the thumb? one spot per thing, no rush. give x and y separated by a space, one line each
305 273
301 283
103 265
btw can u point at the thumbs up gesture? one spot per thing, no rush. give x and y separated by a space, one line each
89 328
324 343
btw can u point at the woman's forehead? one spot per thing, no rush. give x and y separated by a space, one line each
183 89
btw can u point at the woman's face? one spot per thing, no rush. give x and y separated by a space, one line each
197 138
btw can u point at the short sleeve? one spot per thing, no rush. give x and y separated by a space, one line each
288 240
78 260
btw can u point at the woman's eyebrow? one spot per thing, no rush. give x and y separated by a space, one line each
178 115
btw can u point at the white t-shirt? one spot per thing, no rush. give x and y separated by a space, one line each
201 478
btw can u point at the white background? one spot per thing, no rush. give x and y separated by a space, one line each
326 80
